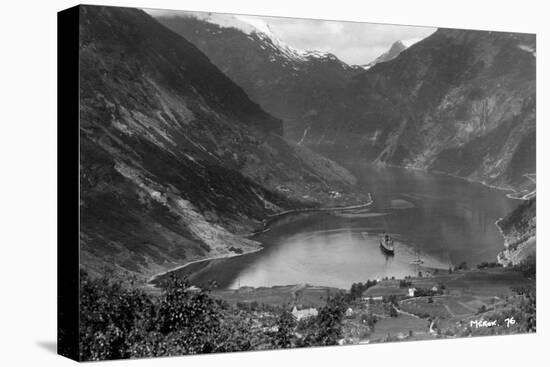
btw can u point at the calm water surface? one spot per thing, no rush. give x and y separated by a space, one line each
440 219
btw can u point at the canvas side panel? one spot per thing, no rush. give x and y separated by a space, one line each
68 182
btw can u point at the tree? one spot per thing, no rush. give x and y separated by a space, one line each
356 290
191 313
118 321
326 327
330 321
109 313
286 324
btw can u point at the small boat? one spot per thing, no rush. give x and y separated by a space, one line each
386 244
418 260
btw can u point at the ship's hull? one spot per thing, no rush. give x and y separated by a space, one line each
386 249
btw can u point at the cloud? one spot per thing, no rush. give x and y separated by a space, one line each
352 42
411 41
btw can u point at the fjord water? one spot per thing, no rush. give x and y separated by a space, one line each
441 219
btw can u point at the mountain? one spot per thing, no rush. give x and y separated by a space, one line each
519 231
299 87
460 102
396 48
466 105
176 162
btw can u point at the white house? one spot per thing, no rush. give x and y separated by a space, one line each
305 313
372 299
193 289
411 292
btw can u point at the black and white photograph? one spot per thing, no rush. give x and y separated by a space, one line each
281 181
255 183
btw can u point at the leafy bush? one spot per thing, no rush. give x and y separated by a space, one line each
357 289
486 264
285 330
326 327
109 314
482 309
118 321
427 292
462 266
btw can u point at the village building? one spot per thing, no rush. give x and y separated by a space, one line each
304 314
385 288
193 289
371 299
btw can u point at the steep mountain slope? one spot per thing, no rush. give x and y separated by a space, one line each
466 101
396 48
460 102
519 231
300 87
176 162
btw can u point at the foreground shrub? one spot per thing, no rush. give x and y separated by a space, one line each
118 322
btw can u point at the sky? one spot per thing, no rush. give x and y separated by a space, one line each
352 42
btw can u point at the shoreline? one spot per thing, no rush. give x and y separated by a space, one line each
471 180
273 217
261 247
179 267
511 195
323 209
494 187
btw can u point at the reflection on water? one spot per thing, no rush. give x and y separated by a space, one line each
446 220
331 258
387 256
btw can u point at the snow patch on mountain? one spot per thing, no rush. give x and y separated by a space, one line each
396 48
529 49
255 26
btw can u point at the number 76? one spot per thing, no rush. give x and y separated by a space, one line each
509 321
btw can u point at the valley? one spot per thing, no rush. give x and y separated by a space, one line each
177 163
444 220
237 193
180 166
460 102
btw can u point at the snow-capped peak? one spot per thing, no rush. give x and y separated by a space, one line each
252 25
257 24
396 48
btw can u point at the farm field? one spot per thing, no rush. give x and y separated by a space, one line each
289 295
399 327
